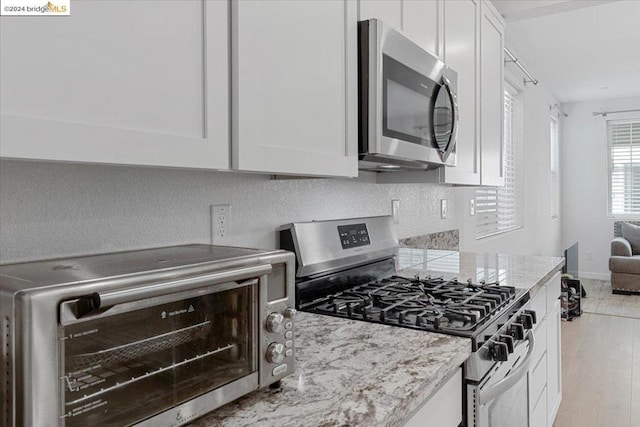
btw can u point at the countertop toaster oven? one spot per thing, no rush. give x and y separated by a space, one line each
150 337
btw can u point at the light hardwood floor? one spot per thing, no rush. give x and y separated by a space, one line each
600 372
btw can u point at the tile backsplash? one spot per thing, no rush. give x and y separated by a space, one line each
55 209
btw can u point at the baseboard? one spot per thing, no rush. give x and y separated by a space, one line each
597 276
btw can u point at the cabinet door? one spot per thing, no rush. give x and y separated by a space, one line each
294 96
418 19
554 358
442 409
491 96
420 23
388 11
461 39
142 83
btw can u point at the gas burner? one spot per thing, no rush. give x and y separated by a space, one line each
426 303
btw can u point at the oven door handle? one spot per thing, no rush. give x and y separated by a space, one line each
101 301
486 396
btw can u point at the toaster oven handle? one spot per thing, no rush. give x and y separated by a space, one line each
101 301
486 396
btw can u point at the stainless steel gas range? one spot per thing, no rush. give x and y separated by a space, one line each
347 268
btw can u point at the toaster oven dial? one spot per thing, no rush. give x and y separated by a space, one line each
289 312
275 352
274 323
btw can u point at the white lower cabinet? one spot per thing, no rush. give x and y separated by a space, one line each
442 409
538 416
545 380
554 363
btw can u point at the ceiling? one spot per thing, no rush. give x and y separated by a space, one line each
581 50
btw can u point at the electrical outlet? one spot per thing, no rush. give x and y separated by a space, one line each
472 206
588 256
395 211
220 217
443 208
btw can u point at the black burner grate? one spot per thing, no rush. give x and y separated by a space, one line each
431 304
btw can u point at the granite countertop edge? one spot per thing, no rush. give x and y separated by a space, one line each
350 373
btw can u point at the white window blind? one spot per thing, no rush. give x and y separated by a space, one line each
554 167
500 209
624 168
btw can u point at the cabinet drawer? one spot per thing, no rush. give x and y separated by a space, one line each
538 381
553 290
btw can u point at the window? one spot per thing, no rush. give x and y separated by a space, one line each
554 167
500 209
624 168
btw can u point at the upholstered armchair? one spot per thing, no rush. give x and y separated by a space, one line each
624 262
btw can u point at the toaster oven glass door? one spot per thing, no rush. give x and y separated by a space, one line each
139 358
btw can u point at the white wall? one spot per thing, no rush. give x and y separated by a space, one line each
55 209
540 235
585 181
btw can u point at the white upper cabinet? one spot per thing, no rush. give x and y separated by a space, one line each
388 11
491 95
461 41
418 19
143 83
420 22
469 36
294 102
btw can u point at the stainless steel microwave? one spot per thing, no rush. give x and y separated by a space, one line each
407 103
156 337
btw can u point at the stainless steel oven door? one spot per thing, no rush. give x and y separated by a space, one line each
141 356
501 399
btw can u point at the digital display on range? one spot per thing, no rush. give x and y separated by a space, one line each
354 235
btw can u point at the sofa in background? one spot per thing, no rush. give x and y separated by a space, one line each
624 262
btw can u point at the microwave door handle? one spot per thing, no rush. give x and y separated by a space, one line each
101 301
454 103
486 396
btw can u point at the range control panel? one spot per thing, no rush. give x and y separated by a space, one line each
353 235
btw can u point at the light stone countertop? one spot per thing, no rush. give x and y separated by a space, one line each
520 271
354 373
350 373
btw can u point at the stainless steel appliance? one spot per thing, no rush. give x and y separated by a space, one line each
152 337
346 268
408 113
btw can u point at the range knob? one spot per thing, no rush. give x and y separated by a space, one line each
532 313
508 340
517 331
526 320
274 323
289 312
499 351
275 352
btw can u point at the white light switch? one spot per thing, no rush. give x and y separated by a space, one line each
472 206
